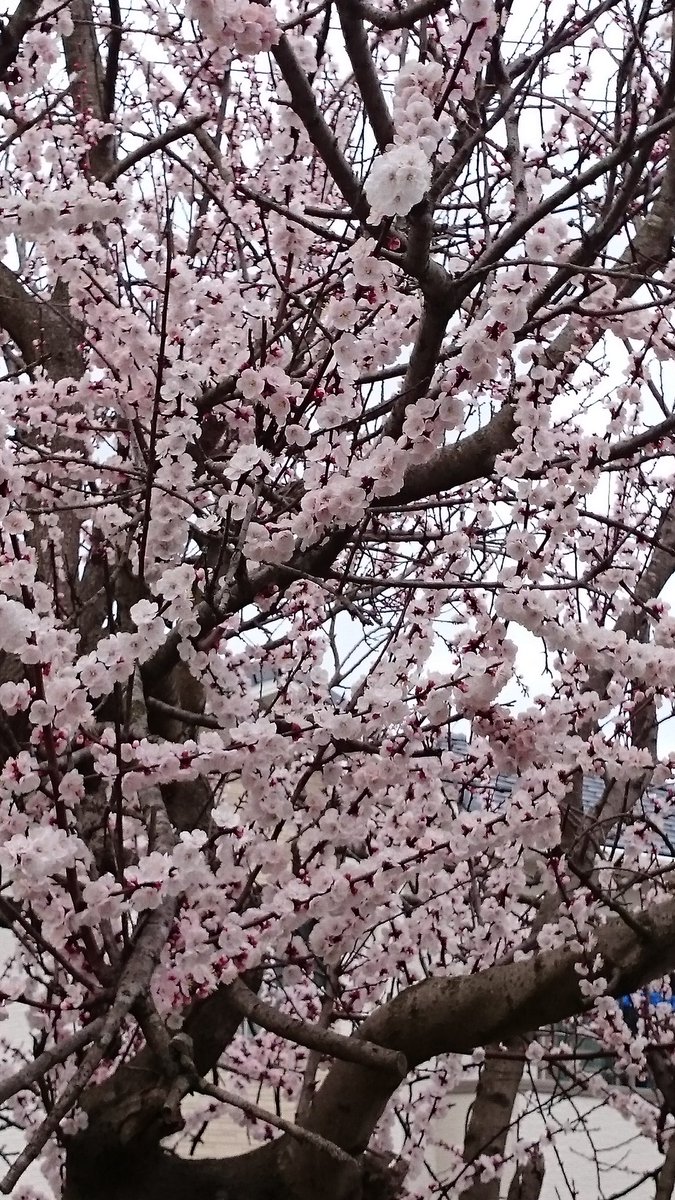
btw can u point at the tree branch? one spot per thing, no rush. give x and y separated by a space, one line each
490 1115
33 1071
361 58
528 1179
13 32
454 1015
354 1050
320 134
149 147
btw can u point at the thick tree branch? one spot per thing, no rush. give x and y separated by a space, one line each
423 361
324 1040
528 1179
112 61
665 1180
13 32
361 58
404 18
20 315
490 1115
90 93
320 134
473 457
131 1105
455 1015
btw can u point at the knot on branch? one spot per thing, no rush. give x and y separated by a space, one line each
181 1071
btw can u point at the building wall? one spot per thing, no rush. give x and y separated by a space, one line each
599 1155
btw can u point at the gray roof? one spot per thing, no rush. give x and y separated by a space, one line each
653 812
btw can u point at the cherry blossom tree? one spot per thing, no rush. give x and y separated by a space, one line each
336 484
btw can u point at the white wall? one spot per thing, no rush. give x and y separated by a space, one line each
600 1154
14 1032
